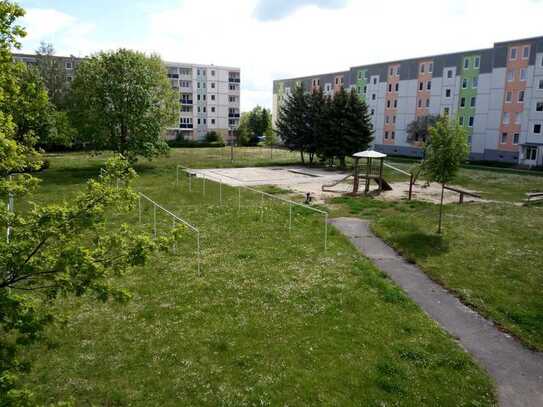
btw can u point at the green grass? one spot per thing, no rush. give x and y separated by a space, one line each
490 255
271 320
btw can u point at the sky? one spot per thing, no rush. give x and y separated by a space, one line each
275 39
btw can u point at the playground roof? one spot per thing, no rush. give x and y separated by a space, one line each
369 154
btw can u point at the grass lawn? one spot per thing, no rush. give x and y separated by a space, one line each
490 255
271 320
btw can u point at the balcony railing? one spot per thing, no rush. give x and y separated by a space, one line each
234 80
185 126
186 101
233 115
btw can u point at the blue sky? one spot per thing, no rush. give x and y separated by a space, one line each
272 39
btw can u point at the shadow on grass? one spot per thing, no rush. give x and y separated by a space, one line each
420 245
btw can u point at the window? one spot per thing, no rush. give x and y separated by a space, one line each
466 63
391 71
526 52
386 135
472 101
475 82
422 68
448 93
360 75
198 85
372 112
205 121
212 85
212 109
199 121
373 96
513 53
212 72
397 71
69 78
198 97
446 111
503 138
477 62
510 76
420 103
198 109
462 102
421 85
397 87
394 119
428 85
337 81
365 89
465 84
531 153
449 73
516 137
390 87
540 84
505 119
396 103
68 65
523 74
204 97
427 102
431 67
388 104
537 128
517 118
461 120
387 119
471 121
212 97
375 81
508 97
212 121
539 106
521 96
393 135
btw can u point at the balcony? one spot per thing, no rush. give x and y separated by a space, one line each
233 115
185 126
186 101
234 80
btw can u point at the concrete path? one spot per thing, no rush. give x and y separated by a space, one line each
517 371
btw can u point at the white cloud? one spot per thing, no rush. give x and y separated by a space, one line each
313 40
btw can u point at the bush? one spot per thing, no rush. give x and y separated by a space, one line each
180 143
214 137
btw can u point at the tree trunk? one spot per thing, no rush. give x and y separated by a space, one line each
439 230
342 164
302 156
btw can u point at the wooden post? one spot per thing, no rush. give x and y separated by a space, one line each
368 173
355 174
381 175
411 187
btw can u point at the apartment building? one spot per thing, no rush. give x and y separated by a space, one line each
495 93
209 96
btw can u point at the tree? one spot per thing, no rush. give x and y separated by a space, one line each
243 133
418 130
444 155
123 101
52 72
258 122
292 122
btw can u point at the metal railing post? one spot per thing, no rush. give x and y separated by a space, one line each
190 181
154 221
139 208
220 192
174 244
289 217
203 185
325 231
198 250
262 206
177 176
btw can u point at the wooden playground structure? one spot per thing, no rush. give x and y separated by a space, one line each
368 167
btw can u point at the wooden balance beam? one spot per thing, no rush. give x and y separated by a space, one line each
463 192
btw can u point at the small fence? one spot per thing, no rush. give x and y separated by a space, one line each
175 219
218 179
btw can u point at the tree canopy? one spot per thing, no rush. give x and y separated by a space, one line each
329 127
123 101
418 131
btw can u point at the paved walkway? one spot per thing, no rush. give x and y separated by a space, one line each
517 371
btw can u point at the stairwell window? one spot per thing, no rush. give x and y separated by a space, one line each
513 54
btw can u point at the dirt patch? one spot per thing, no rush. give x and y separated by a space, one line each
430 193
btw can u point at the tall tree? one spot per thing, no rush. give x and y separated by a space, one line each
53 74
444 155
292 122
123 101
258 122
358 128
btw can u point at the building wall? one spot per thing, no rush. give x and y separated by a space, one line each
495 93
209 96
